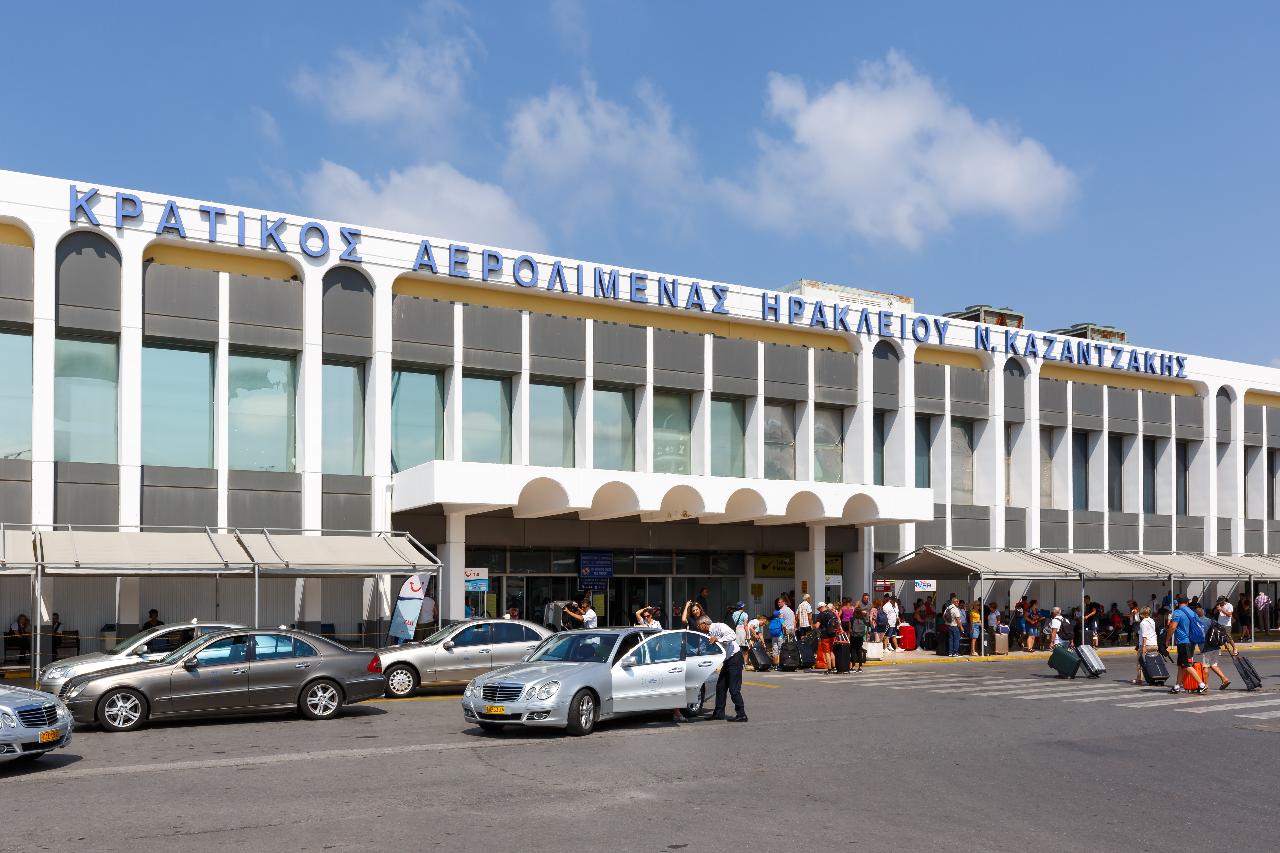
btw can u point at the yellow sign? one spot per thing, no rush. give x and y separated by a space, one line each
775 565
804 587
757 591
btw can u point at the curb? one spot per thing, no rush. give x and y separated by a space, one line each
1044 656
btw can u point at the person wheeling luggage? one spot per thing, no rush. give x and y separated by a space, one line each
1216 638
1147 641
730 679
1059 629
1188 633
857 634
828 627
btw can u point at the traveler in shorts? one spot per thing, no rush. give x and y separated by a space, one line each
1147 641
828 627
892 613
804 617
1187 628
1216 638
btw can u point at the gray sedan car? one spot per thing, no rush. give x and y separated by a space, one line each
458 653
149 644
577 678
31 724
230 672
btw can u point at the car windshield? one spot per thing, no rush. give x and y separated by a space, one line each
183 650
120 647
576 648
439 636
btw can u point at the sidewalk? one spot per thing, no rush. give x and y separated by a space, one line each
920 656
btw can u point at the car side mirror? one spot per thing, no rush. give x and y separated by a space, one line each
629 661
140 650
525 659
448 645
190 664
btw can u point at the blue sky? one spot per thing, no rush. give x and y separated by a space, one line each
1114 163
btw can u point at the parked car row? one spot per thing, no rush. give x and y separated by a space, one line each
515 672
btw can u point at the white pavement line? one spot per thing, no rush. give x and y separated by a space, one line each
989 684
261 760
1026 686
1067 692
1152 692
945 685
1178 699
1265 715
1235 706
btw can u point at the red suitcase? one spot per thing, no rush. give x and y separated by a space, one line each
907 638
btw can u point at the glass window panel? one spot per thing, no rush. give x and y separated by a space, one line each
671 433
728 438
1115 472
878 438
177 407
1008 462
486 419
84 388
828 445
1079 470
1046 467
342 428
614 430
1182 472
1149 475
417 418
551 425
260 413
779 441
961 461
15 396
924 451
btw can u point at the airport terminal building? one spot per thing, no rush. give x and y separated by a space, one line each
176 364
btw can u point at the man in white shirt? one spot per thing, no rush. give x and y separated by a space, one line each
953 618
891 613
1262 611
589 619
788 618
804 616
1224 612
1058 627
730 679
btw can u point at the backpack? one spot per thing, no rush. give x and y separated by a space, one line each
1195 630
775 627
1216 637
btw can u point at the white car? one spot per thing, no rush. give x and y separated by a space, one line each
31 724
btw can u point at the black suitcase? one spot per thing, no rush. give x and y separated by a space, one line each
760 660
943 643
1153 669
843 656
1252 681
789 656
930 642
1090 662
808 652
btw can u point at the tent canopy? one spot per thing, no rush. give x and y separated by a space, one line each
952 564
1196 567
277 554
88 551
1105 565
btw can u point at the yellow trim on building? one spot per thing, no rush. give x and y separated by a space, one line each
1119 379
1262 398
12 235
592 309
951 357
182 256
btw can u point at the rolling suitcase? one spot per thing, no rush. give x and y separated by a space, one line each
1189 681
907 638
1252 681
930 641
1153 669
760 660
843 656
1090 662
1065 661
808 651
1002 644
789 656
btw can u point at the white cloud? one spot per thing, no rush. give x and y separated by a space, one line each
888 156
408 81
429 198
569 20
268 127
594 153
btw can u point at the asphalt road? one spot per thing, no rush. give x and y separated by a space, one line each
958 756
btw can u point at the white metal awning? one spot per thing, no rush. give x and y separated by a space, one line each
1106 565
291 554
17 552
958 565
63 552
1195 567
1254 565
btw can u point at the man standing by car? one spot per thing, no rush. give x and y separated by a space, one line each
730 679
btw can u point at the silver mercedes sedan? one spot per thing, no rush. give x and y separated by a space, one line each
458 653
31 724
149 644
577 678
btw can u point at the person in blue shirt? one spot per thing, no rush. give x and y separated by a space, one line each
1187 634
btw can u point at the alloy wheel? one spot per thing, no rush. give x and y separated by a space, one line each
587 712
122 710
322 700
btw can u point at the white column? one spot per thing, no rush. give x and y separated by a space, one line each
1063 464
520 399
375 603
811 565
453 394
43 333
859 438
377 410
644 410
1240 483
804 424
754 455
310 402
129 423
944 442
306 604
1202 486
1027 455
128 606
992 486
222 395
453 555
700 415
584 407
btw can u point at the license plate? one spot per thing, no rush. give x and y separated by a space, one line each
50 736
495 709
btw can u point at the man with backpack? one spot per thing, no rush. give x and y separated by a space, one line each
1059 629
1215 638
1188 633
776 631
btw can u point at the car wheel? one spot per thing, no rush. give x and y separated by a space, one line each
122 710
694 709
491 728
320 700
582 713
401 681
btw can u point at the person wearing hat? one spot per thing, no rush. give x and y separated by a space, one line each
738 620
804 617
828 627
1188 632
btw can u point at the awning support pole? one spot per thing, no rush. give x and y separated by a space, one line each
256 622
37 605
1253 615
1082 613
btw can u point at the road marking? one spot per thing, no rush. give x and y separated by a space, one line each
412 699
1059 694
1236 706
761 684
1152 692
1265 715
1178 699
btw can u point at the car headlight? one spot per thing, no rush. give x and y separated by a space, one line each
75 691
7 720
62 711
546 691
54 672
470 689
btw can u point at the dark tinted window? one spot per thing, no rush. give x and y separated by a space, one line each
697 645
628 643
303 650
170 640
505 632
664 648
472 635
530 635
